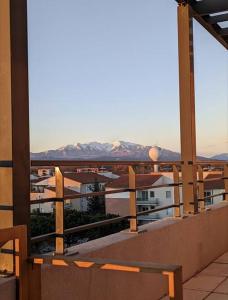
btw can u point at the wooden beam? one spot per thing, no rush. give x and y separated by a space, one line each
187 108
14 119
59 212
176 180
133 207
217 19
207 7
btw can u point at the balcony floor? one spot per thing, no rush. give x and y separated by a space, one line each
210 284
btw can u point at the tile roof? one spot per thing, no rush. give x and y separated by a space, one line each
216 184
87 177
67 192
141 180
39 179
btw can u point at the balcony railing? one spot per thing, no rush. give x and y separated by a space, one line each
25 277
149 201
60 199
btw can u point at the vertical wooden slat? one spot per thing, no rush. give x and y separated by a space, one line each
201 189
226 182
187 108
34 271
59 211
177 210
133 207
14 119
23 264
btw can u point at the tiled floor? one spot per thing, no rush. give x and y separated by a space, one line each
210 284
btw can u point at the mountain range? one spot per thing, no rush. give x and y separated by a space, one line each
119 150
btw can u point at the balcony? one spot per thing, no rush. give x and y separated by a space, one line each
150 201
182 256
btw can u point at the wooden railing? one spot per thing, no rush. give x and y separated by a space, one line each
175 166
26 278
173 272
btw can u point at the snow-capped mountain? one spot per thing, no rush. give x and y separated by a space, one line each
119 150
96 150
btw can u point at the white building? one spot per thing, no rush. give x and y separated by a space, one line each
146 199
214 186
73 182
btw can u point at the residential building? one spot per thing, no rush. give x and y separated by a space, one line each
213 185
80 182
146 199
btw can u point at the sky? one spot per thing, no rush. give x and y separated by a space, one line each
107 70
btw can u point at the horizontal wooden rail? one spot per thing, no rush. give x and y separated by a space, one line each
147 187
210 179
102 193
92 163
149 211
211 196
174 272
212 162
43 237
81 228
95 225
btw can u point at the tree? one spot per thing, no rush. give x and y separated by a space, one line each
96 204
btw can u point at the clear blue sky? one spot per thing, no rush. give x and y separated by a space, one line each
107 70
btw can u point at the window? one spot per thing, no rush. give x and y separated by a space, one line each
152 195
168 194
208 201
144 195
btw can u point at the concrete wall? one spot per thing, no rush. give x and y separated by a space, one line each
192 242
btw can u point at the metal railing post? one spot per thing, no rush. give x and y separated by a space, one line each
201 189
225 173
177 211
133 207
59 212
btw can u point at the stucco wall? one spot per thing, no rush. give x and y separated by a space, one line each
192 242
8 288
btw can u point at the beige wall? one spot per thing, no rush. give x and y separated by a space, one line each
192 242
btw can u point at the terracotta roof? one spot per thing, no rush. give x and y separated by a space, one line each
214 184
36 180
87 177
141 180
67 192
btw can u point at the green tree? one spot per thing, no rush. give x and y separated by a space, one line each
96 204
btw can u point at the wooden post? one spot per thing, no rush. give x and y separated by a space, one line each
133 207
201 189
59 212
187 108
175 284
226 182
177 210
22 264
14 121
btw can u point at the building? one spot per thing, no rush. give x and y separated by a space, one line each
49 192
192 250
80 182
213 185
146 199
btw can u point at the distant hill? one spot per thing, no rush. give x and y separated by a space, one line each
119 150
223 156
